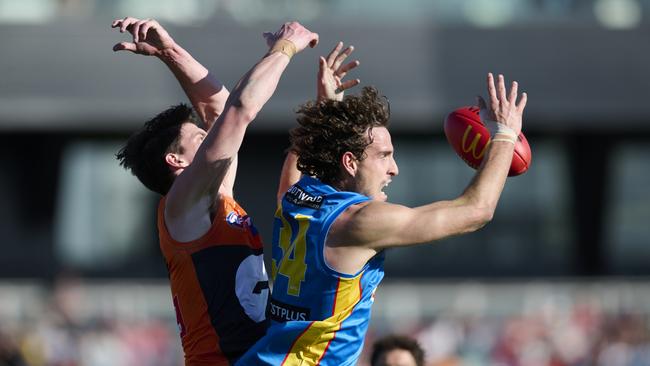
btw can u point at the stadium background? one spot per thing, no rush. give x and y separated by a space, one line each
559 277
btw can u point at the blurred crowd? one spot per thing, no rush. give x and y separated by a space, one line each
574 334
103 343
55 340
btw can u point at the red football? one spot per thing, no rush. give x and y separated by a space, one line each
469 138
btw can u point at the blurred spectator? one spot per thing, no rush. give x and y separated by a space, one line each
9 352
396 350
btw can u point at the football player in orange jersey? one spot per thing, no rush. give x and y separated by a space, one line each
212 250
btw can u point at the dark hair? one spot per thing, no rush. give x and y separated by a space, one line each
144 152
327 129
393 342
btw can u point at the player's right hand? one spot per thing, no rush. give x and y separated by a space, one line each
300 36
149 37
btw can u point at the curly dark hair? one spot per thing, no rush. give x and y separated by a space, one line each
144 152
327 129
393 342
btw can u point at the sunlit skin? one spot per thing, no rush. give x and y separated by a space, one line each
191 137
377 170
397 357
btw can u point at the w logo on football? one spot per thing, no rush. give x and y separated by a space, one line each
473 145
470 139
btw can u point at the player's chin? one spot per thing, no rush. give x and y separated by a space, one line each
380 196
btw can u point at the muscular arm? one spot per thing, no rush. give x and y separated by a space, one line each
205 92
364 229
379 225
203 177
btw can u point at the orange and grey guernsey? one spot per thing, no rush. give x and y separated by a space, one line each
219 286
318 315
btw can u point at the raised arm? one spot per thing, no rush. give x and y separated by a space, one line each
199 183
376 225
205 92
329 85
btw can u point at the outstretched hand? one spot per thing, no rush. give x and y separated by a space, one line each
503 107
149 37
331 72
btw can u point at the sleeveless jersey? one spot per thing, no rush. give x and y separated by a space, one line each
219 286
318 315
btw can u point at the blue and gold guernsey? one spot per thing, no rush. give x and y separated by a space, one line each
318 315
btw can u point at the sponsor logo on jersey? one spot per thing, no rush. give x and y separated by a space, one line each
281 312
299 197
241 222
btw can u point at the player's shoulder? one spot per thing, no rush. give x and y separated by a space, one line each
368 215
355 214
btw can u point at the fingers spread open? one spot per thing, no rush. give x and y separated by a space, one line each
512 97
342 56
522 102
501 89
343 70
347 85
332 56
322 66
492 92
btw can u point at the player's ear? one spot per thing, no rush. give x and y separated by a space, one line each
175 161
349 163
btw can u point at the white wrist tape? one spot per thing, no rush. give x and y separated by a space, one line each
503 140
497 128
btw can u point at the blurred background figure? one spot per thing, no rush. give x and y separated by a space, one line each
560 277
10 354
396 350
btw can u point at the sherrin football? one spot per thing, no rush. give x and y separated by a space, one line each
469 138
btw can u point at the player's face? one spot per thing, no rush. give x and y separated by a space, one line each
377 170
191 138
397 357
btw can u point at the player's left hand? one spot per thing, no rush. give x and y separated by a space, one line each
502 106
331 73
149 37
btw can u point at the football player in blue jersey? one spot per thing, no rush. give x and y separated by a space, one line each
332 226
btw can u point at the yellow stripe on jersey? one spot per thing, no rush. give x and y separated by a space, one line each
312 344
